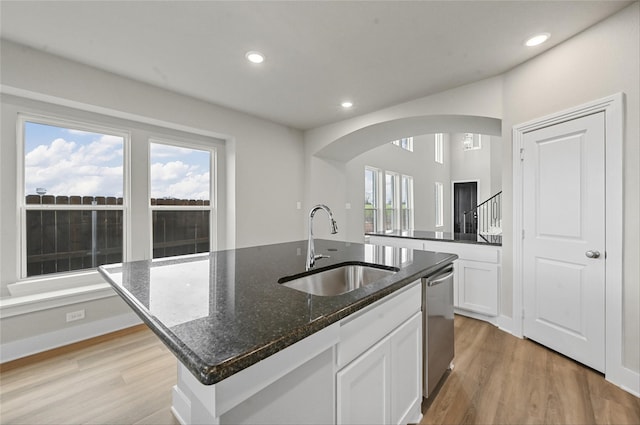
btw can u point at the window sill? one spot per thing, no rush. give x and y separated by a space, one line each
55 282
42 294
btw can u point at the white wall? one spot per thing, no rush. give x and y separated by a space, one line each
325 179
267 155
264 160
418 164
601 61
474 164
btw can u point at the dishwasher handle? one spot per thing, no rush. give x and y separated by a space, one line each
440 277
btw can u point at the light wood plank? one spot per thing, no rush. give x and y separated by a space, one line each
498 379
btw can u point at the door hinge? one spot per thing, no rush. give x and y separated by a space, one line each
521 154
523 314
522 233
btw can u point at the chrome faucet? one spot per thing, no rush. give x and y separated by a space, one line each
311 250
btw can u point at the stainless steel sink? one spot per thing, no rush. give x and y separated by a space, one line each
339 280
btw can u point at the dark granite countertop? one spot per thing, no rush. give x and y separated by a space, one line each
223 311
428 235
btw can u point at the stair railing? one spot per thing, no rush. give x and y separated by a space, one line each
487 216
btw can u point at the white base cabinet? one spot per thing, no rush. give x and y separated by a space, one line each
477 271
380 386
365 369
477 284
363 388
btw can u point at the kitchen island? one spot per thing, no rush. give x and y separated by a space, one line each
251 349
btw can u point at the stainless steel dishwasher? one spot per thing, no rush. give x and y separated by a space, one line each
437 316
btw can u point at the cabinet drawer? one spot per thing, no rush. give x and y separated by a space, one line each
364 328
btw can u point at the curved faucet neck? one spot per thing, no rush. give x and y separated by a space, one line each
311 252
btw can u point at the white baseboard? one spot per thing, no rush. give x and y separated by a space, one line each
626 379
181 406
477 316
36 344
506 324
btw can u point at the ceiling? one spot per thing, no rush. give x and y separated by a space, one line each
318 53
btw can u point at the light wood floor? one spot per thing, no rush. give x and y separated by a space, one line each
497 379
500 379
126 380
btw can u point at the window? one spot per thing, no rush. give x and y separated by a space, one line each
471 141
74 196
181 207
390 201
406 143
439 204
75 193
406 203
371 199
439 148
397 192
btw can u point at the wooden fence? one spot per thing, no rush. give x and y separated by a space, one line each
67 239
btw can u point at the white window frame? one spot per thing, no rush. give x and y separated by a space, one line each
471 141
51 120
378 193
439 148
395 201
409 187
405 143
212 207
87 284
438 192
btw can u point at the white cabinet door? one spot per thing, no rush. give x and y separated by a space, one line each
477 285
406 359
363 388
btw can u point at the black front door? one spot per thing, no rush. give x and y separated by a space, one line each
465 198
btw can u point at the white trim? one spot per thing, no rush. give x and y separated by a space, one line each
612 106
627 379
439 204
213 189
136 126
410 200
87 107
39 343
54 121
505 324
25 304
378 193
478 316
439 148
54 282
395 202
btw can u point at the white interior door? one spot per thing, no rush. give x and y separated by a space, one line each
564 238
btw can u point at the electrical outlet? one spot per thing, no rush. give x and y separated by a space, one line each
75 315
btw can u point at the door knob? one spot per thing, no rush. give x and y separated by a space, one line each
592 254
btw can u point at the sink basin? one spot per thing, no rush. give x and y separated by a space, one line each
338 280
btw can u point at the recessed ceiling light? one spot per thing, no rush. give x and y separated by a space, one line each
254 57
346 105
537 39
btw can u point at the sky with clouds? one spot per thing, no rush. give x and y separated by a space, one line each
71 162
